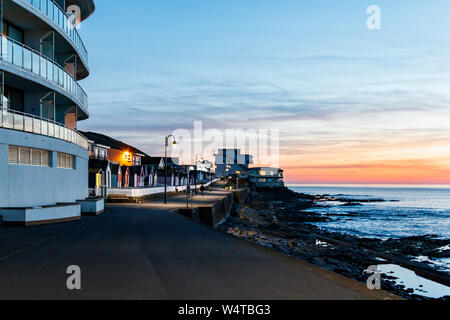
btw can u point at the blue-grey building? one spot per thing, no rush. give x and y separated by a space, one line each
43 158
230 162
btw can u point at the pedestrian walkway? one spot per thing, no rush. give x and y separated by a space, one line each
145 251
211 196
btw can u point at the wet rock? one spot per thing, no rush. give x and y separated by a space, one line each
351 204
346 200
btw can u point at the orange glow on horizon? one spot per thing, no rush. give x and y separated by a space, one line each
398 172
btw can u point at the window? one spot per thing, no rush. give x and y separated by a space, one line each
128 157
12 98
15 33
12 31
13 155
24 156
136 161
66 161
28 156
35 157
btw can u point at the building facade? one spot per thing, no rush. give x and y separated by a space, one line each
43 158
266 177
117 152
204 166
113 164
230 162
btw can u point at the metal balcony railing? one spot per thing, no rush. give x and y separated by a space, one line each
26 58
15 120
56 14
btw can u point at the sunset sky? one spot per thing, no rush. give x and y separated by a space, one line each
352 105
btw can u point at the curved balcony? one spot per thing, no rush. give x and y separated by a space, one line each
29 60
10 119
58 17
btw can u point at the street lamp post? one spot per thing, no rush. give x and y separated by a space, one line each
195 180
165 163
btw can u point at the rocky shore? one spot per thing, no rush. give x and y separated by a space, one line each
277 218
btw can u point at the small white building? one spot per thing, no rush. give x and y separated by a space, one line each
266 177
204 165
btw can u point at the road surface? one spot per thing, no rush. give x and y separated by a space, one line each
144 252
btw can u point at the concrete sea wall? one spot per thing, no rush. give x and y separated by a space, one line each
218 211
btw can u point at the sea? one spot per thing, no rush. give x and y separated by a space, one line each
407 212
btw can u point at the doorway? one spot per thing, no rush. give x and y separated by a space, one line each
48 106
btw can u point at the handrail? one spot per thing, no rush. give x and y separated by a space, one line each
32 60
20 121
62 20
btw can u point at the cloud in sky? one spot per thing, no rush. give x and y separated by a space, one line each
343 98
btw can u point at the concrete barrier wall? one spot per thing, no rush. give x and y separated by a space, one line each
92 206
215 214
218 212
241 195
35 216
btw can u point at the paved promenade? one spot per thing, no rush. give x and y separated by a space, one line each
149 252
211 195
